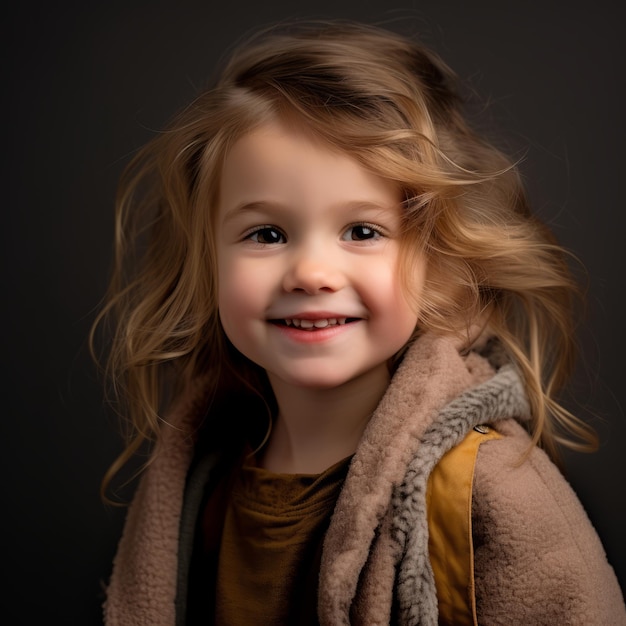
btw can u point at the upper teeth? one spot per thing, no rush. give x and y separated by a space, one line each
323 323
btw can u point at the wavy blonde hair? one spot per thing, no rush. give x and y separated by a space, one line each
391 104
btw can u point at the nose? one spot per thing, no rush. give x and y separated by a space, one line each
313 270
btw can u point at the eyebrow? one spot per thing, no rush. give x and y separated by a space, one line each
263 205
247 207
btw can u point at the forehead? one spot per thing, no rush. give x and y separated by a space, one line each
279 162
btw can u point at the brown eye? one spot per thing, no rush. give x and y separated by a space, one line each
361 232
267 235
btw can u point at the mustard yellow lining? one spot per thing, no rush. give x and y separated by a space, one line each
449 506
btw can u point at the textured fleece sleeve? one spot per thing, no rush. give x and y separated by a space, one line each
537 558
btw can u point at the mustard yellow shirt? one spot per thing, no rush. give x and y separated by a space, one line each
269 545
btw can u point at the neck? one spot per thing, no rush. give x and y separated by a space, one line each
316 428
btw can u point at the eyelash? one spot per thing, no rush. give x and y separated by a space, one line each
377 230
257 230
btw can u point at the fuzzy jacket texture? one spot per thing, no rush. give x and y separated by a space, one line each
537 558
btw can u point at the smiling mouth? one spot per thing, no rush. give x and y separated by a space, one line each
305 324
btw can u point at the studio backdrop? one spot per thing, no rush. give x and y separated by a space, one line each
90 82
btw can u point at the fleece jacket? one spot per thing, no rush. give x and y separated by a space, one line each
537 558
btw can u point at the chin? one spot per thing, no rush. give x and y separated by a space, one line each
308 378
324 379
319 383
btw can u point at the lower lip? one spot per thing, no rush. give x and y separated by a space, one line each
319 335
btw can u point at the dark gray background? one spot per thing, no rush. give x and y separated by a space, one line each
90 82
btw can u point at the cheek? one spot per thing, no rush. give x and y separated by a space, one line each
388 289
239 294
398 305
230 293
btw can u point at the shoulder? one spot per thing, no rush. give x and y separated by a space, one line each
537 557
512 480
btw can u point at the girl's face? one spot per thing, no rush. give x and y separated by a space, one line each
308 248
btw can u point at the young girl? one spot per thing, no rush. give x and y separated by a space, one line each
342 331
